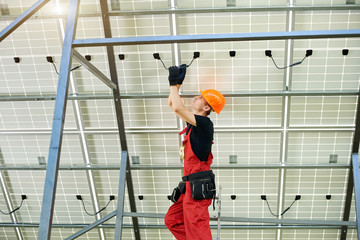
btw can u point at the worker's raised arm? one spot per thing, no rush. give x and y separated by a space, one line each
176 77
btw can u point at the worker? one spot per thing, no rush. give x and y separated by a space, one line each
188 218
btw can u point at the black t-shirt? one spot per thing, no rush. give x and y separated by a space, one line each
201 137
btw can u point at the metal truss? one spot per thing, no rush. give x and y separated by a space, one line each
85 97
178 167
230 37
207 10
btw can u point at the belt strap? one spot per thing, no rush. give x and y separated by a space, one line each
197 175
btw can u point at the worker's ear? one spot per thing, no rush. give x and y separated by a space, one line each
207 108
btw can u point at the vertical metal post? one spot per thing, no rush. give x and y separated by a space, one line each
176 58
219 214
48 201
286 114
8 203
355 163
121 195
350 186
119 113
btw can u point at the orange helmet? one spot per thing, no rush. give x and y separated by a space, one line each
215 99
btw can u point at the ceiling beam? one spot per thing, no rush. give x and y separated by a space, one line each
237 9
162 226
258 220
176 167
255 36
183 95
346 7
151 130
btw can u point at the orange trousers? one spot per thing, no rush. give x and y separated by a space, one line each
188 219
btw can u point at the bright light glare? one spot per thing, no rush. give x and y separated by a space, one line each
59 9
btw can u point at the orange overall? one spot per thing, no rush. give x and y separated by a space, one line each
188 219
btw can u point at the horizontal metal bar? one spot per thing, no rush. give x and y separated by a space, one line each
94 70
184 95
289 221
199 10
153 226
234 129
236 9
176 167
248 166
144 215
257 220
217 38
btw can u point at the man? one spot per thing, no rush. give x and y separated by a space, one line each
187 218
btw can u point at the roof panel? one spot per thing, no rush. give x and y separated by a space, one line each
317 147
323 111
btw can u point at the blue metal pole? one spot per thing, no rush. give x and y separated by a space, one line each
226 37
121 195
355 163
48 201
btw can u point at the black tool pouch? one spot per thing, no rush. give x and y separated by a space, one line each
180 189
175 195
202 185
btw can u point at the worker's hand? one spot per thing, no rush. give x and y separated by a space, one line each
174 72
182 74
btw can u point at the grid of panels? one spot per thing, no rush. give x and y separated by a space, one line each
250 148
324 20
154 149
313 186
327 69
249 112
226 3
235 23
32 115
323 111
139 73
316 147
25 149
32 42
312 234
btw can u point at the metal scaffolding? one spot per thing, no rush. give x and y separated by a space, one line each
68 53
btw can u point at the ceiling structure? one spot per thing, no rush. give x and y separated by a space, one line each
289 131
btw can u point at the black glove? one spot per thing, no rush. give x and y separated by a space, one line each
173 75
182 74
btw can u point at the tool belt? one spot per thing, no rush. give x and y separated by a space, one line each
202 185
180 189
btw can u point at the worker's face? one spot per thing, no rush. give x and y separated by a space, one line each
200 104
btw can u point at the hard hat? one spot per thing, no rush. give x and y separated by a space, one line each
215 99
